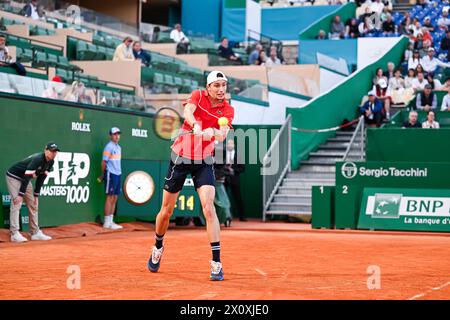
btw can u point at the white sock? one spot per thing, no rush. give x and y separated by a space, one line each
108 219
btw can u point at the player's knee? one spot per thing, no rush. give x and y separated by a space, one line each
209 211
166 210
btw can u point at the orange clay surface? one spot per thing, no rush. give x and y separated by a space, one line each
261 261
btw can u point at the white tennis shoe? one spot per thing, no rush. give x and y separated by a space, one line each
40 236
112 226
18 237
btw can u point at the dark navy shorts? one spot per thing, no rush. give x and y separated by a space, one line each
112 184
202 173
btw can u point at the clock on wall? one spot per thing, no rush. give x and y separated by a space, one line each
138 187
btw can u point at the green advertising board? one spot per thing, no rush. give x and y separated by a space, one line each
405 209
353 177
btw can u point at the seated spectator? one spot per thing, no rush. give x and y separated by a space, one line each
226 52
419 83
412 121
430 62
322 35
399 93
337 28
366 27
124 51
74 92
446 101
426 100
416 28
419 68
378 75
426 45
367 13
384 95
430 123
409 78
405 25
408 52
262 59
396 82
418 42
444 21
273 59
389 26
390 70
4 51
351 28
31 10
445 43
140 54
54 89
435 83
180 39
428 25
254 55
446 85
377 6
372 110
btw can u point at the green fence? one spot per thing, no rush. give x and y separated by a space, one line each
330 109
345 12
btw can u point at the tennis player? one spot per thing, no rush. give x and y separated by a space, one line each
194 154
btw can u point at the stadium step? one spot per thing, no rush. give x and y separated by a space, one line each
293 196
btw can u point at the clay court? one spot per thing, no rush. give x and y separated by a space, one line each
261 261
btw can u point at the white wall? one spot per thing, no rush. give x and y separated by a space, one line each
329 79
246 113
371 49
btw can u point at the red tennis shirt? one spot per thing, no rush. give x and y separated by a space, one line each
193 147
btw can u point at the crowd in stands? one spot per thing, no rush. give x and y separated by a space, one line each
130 50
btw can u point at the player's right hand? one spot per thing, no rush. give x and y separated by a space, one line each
197 130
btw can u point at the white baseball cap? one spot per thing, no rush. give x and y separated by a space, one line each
214 76
114 130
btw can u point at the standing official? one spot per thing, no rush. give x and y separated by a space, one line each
111 173
18 182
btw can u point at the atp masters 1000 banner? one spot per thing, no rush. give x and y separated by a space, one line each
405 209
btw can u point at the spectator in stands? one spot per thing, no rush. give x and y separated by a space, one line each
445 43
426 45
390 70
377 7
372 110
31 10
388 26
419 43
383 94
405 25
410 78
273 58
337 28
322 35
74 92
428 25
430 123
415 60
262 59
427 99
367 13
409 52
351 28
366 27
140 54
226 52
446 85
396 82
416 28
419 68
446 101
412 121
378 75
430 62
254 55
180 39
419 83
444 20
435 83
124 51
54 89
4 52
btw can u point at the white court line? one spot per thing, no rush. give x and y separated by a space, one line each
261 272
420 295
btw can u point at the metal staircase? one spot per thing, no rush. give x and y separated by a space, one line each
293 195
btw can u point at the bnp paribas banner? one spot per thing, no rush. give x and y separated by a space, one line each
405 209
